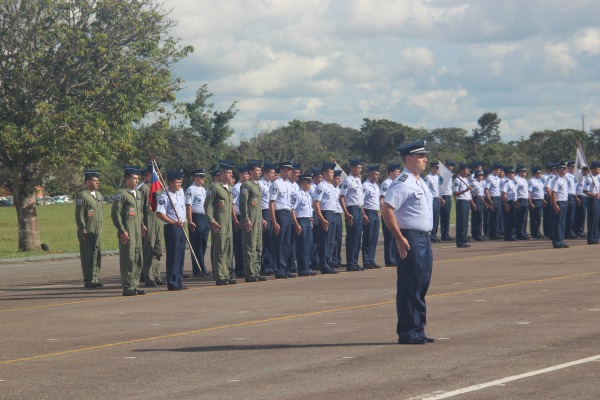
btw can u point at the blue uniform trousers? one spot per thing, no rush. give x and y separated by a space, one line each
414 275
462 221
560 220
436 222
486 221
547 221
370 237
266 259
477 219
521 218
199 242
327 244
593 212
510 218
570 219
535 221
238 255
175 245
282 244
579 220
316 240
353 236
336 258
304 245
389 246
445 217
494 218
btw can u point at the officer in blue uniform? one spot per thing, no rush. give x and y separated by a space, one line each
324 205
477 212
389 243
338 217
509 200
433 182
536 202
280 208
446 207
352 201
492 192
303 225
591 188
317 177
559 198
266 262
198 227
371 209
462 194
407 211
171 210
522 204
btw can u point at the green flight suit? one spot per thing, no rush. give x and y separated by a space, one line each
250 210
88 216
127 216
152 242
217 207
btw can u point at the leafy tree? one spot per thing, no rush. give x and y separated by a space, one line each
488 131
75 75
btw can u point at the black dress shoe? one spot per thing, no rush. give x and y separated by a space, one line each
329 272
369 267
353 268
261 278
183 287
129 292
185 276
159 282
90 286
99 284
222 282
150 284
251 279
429 339
281 276
463 245
413 341
140 291
291 275
232 281
376 266
480 239
565 246
312 273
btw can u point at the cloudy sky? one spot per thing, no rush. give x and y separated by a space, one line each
428 63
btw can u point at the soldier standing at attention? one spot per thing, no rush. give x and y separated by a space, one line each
559 197
88 216
352 200
127 216
536 202
407 211
317 177
336 257
252 222
238 253
492 192
218 210
389 242
446 207
509 199
152 241
324 205
266 262
591 188
433 182
464 201
171 210
195 196
280 208
370 235
477 211
522 204
302 217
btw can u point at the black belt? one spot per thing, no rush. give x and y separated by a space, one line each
283 210
198 213
414 232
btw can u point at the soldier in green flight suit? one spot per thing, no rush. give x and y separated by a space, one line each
88 216
152 242
127 216
252 222
218 209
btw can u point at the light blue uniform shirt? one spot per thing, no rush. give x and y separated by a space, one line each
281 193
385 185
591 184
352 191
571 183
536 188
235 197
165 207
477 187
412 202
302 203
338 206
510 188
522 188
492 184
372 193
265 188
195 197
433 183
459 185
560 187
326 195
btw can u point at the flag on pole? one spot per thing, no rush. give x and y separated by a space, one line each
445 177
579 163
155 186
343 175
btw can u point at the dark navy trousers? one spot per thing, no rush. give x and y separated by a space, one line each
414 275
327 242
477 219
281 245
370 237
521 218
445 217
462 221
579 221
510 218
560 220
535 220
266 261
353 236
337 252
436 222
389 245
304 246
175 246
199 241
494 218
570 219
593 211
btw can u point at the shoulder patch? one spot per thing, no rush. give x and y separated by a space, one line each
319 191
345 186
188 194
118 196
403 177
161 202
79 202
244 190
209 192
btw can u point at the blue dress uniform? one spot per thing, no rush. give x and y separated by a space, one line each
325 196
389 242
591 188
353 196
477 212
195 196
560 191
509 198
411 201
174 234
571 202
549 219
370 235
522 204
338 224
579 220
446 210
281 198
536 195
463 203
433 182
266 262
315 172
303 211
492 187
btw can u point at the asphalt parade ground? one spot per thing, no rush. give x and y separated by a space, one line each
517 320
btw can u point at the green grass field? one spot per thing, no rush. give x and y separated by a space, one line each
57 230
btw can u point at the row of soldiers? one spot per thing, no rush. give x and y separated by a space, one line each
500 199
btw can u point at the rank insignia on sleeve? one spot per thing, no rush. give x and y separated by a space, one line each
189 194
403 177
456 184
319 191
384 189
274 191
244 191
345 186
161 202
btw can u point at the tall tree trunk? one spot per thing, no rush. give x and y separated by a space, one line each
24 196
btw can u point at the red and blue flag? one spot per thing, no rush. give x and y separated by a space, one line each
155 186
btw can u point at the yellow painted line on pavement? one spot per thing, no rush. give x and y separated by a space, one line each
282 318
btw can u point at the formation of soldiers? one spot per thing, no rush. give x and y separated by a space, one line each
274 221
